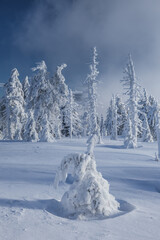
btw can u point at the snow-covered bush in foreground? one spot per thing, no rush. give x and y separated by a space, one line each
89 195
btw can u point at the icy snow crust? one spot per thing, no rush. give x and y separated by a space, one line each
30 207
89 195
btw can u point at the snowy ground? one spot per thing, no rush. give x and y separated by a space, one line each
29 206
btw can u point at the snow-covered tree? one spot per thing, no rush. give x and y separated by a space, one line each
30 133
73 126
2 116
128 138
39 94
70 113
121 116
157 157
89 195
114 119
14 114
46 135
91 82
85 113
146 133
56 119
85 124
26 88
75 120
147 105
61 97
131 89
42 100
103 130
58 81
152 110
108 121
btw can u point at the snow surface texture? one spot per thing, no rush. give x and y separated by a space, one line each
30 206
89 193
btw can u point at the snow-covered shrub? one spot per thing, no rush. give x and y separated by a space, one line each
89 194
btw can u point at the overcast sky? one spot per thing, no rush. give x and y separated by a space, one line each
64 31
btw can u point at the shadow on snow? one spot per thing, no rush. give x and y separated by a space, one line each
54 207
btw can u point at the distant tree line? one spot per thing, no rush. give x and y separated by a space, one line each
43 108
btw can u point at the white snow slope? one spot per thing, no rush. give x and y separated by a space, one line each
29 204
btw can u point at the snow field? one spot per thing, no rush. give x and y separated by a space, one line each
30 207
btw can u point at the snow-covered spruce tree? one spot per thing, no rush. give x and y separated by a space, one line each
114 119
38 93
2 116
73 126
30 133
131 89
147 105
85 124
151 116
75 120
26 88
157 157
89 195
14 114
143 105
108 121
128 138
46 135
61 97
1 122
146 133
91 82
41 100
103 130
85 114
56 120
121 116
70 112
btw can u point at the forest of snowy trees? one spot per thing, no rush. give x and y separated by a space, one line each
43 108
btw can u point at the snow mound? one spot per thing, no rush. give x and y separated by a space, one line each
89 195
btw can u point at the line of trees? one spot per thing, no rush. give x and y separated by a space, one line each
137 117
40 110
43 108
